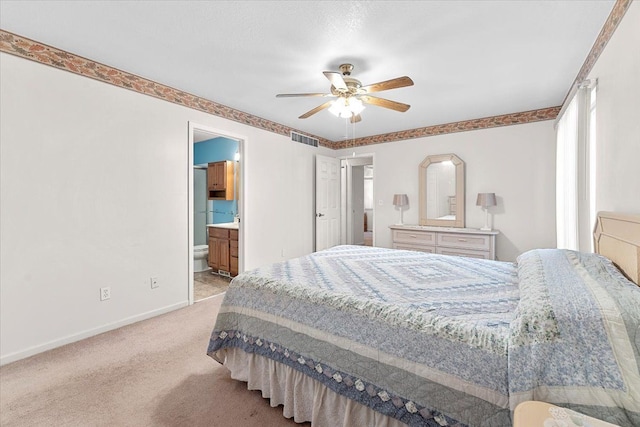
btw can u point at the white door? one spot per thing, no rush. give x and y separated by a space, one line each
327 202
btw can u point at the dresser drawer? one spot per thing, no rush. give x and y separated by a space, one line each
409 247
463 252
414 237
219 233
233 248
233 234
466 241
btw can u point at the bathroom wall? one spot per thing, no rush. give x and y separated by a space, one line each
215 150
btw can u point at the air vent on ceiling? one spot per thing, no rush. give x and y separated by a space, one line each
304 139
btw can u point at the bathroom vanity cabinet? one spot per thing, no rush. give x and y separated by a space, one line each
233 252
220 180
223 250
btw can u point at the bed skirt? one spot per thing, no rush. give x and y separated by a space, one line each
303 398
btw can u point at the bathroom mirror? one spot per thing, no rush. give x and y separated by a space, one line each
442 191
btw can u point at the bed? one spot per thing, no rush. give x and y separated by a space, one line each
360 336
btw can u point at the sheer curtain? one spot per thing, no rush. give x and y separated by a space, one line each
575 169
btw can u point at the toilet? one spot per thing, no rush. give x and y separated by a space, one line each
200 253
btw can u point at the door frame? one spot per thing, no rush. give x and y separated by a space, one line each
346 224
242 162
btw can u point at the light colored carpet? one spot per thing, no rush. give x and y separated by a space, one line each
153 373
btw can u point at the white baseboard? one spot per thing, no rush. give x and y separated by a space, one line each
13 357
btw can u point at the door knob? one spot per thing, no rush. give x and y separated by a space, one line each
319 215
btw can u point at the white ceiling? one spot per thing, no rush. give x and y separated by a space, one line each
468 59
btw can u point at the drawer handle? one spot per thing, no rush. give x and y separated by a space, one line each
412 236
462 240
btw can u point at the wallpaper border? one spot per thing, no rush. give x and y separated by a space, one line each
39 52
29 49
549 113
609 27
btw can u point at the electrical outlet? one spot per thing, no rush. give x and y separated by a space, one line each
105 293
154 282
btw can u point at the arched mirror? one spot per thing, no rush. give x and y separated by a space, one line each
442 191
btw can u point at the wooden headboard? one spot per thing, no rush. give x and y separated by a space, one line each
617 236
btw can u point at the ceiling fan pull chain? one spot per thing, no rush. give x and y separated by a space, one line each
348 139
353 137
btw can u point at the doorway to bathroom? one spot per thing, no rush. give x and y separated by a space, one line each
207 208
205 283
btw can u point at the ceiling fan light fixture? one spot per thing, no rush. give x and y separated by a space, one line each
346 107
339 108
356 106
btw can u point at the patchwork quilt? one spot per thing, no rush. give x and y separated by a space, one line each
435 340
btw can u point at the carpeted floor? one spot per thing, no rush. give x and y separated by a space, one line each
152 373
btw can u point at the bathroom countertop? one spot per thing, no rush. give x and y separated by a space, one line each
228 225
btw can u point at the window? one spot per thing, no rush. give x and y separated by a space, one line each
575 169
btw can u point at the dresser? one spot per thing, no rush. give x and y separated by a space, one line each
469 242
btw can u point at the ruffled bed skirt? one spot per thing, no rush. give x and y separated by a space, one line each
303 398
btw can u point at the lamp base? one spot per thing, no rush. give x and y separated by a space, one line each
486 221
401 220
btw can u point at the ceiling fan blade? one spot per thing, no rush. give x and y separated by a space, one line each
336 79
381 102
290 95
388 84
315 110
356 118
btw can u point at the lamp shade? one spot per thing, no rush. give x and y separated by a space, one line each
486 200
400 200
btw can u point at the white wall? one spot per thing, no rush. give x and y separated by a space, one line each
618 118
515 162
94 193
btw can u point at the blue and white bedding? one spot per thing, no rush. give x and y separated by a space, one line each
437 340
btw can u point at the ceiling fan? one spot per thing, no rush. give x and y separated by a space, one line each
351 95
